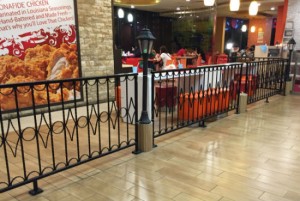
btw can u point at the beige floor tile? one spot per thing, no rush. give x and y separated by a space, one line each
108 190
114 181
252 156
97 197
78 190
55 195
234 194
270 197
146 195
190 189
242 181
185 197
180 176
290 195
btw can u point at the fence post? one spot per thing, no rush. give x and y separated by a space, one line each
145 128
239 88
36 190
287 80
243 102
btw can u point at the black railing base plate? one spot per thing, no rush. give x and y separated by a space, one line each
35 191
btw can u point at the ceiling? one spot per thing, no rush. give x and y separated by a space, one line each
196 8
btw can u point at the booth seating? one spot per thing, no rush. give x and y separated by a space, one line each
203 103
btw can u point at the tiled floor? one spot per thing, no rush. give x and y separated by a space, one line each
251 156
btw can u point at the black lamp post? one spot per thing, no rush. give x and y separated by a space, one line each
291 45
145 41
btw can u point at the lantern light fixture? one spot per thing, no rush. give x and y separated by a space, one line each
121 13
145 41
130 17
234 5
253 8
209 2
244 28
252 29
291 44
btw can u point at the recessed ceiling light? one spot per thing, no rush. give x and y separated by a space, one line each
272 8
132 6
188 0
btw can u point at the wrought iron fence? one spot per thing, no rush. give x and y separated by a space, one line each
263 79
186 96
47 127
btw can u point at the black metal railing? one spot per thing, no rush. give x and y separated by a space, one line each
183 97
47 127
263 79
50 126
186 96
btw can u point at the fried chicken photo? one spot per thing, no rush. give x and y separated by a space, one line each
42 62
10 67
37 60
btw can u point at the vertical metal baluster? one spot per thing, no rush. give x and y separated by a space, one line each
36 190
64 122
15 89
76 119
4 141
50 127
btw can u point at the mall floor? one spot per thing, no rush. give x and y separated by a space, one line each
245 157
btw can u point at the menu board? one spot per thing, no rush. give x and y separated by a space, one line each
38 41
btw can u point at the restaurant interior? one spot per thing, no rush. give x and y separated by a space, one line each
216 28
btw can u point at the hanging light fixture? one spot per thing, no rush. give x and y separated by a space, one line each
253 28
253 8
130 17
137 3
209 2
120 13
234 5
244 28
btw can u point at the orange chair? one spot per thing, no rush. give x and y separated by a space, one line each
222 59
199 61
169 62
183 62
208 62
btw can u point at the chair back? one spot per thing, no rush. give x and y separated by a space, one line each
169 62
209 60
183 62
199 61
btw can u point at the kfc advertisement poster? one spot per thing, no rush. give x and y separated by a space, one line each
38 41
